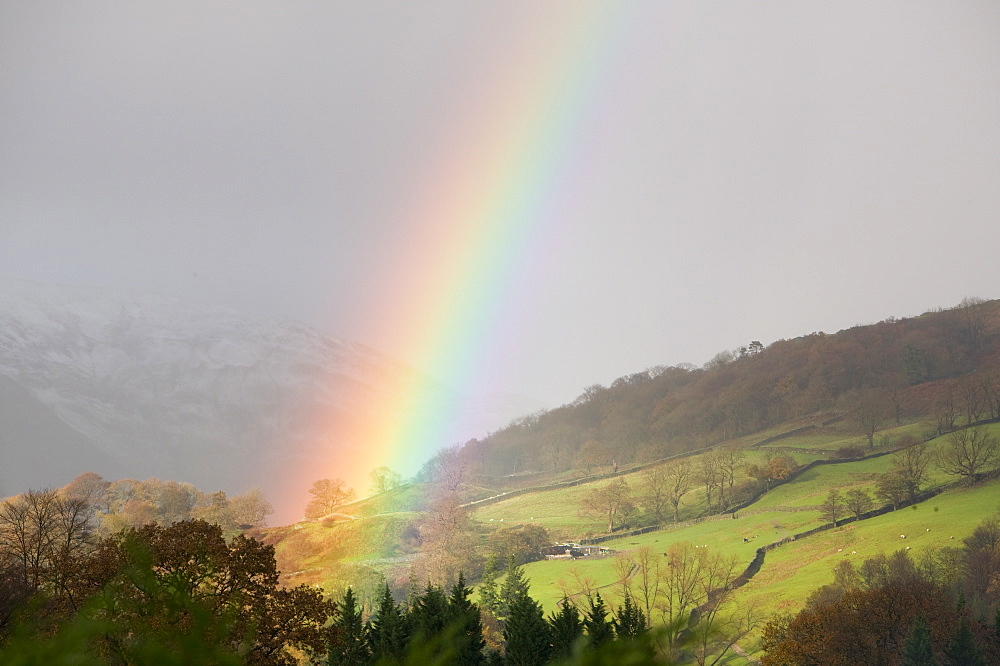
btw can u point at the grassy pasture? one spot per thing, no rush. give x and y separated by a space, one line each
548 578
793 571
762 527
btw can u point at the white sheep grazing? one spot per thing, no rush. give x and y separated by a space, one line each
902 536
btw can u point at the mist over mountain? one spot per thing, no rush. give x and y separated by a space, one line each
141 386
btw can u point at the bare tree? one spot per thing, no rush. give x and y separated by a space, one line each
383 479
833 507
969 453
41 532
970 392
910 465
695 591
731 461
974 318
870 416
858 502
656 495
709 474
890 488
679 476
947 410
612 502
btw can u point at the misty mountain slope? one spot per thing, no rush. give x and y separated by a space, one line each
37 448
153 387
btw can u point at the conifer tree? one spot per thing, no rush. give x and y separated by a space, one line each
387 631
463 619
566 628
429 612
489 595
596 622
526 634
918 650
515 585
962 649
630 621
350 648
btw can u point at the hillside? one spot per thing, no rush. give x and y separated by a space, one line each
808 398
936 367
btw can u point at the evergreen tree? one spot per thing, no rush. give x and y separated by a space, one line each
565 627
489 596
350 647
429 612
387 631
962 649
463 619
918 650
630 621
526 634
596 622
515 585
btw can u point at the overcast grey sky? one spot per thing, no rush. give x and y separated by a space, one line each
738 170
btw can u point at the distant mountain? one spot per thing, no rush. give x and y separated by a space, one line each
144 386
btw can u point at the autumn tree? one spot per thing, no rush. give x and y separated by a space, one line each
863 626
612 502
775 468
969 453
182 588
327 496
250 509
522 542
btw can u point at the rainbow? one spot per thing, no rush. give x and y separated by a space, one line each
488 212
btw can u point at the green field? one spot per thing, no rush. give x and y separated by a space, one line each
793 571
790 572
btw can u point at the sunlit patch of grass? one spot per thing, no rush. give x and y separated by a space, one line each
792 572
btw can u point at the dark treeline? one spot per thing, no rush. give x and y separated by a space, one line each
942 365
